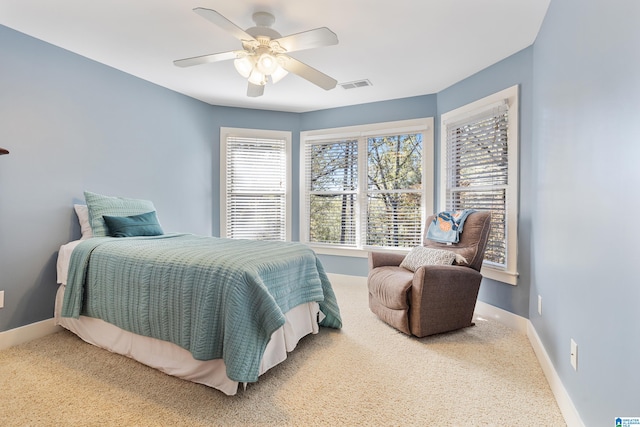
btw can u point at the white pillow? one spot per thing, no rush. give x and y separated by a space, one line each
420 256
82 211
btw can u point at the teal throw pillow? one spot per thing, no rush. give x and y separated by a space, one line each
145 224
99 205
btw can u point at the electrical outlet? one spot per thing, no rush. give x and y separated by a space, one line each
574 355
540 305
1 299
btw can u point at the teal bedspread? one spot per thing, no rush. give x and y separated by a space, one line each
217 298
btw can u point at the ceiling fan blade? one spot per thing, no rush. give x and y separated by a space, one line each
309 73
255 90
205 59
224 23
318 37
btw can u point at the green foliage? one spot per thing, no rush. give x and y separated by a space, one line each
395 162
394 191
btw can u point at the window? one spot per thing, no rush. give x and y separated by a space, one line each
479 160
367 186
255 184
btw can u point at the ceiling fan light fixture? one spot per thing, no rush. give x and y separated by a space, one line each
257 78
244 66
278 74
267 64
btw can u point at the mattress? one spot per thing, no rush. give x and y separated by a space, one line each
172 359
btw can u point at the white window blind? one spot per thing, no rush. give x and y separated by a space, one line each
332 180
394 193
363 186
478 172
256 188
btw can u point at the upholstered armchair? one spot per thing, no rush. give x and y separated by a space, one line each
434 298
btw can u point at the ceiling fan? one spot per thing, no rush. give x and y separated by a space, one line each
264 55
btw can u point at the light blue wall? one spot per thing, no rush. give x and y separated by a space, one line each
514 70
375 112
584 236
72 124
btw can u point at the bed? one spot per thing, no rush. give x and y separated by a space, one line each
219 312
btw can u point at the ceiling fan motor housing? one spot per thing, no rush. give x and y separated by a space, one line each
264 21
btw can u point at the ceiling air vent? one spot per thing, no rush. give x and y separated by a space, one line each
356 84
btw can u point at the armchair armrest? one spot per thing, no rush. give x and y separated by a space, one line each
451 277
380 259
443 298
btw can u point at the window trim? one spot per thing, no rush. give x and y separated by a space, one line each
511 96
226 132
424 125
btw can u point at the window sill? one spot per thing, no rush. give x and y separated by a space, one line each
350 252
508 277
488 272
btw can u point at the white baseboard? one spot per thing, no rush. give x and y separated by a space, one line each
519 323
347 279
27 333
505 317
569 412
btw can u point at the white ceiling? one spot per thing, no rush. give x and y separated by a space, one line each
403 47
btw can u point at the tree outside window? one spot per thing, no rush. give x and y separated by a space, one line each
366 190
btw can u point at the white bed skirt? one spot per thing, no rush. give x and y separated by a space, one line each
174 360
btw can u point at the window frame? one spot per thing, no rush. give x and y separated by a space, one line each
421 125
510 96
225 133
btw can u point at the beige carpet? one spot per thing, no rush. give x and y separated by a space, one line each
365 374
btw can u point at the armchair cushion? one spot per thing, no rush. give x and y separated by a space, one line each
390 285
420 256
389 295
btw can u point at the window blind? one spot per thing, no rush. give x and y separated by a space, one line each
256 188
394 193
379 206
477 172
332 186
363 185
